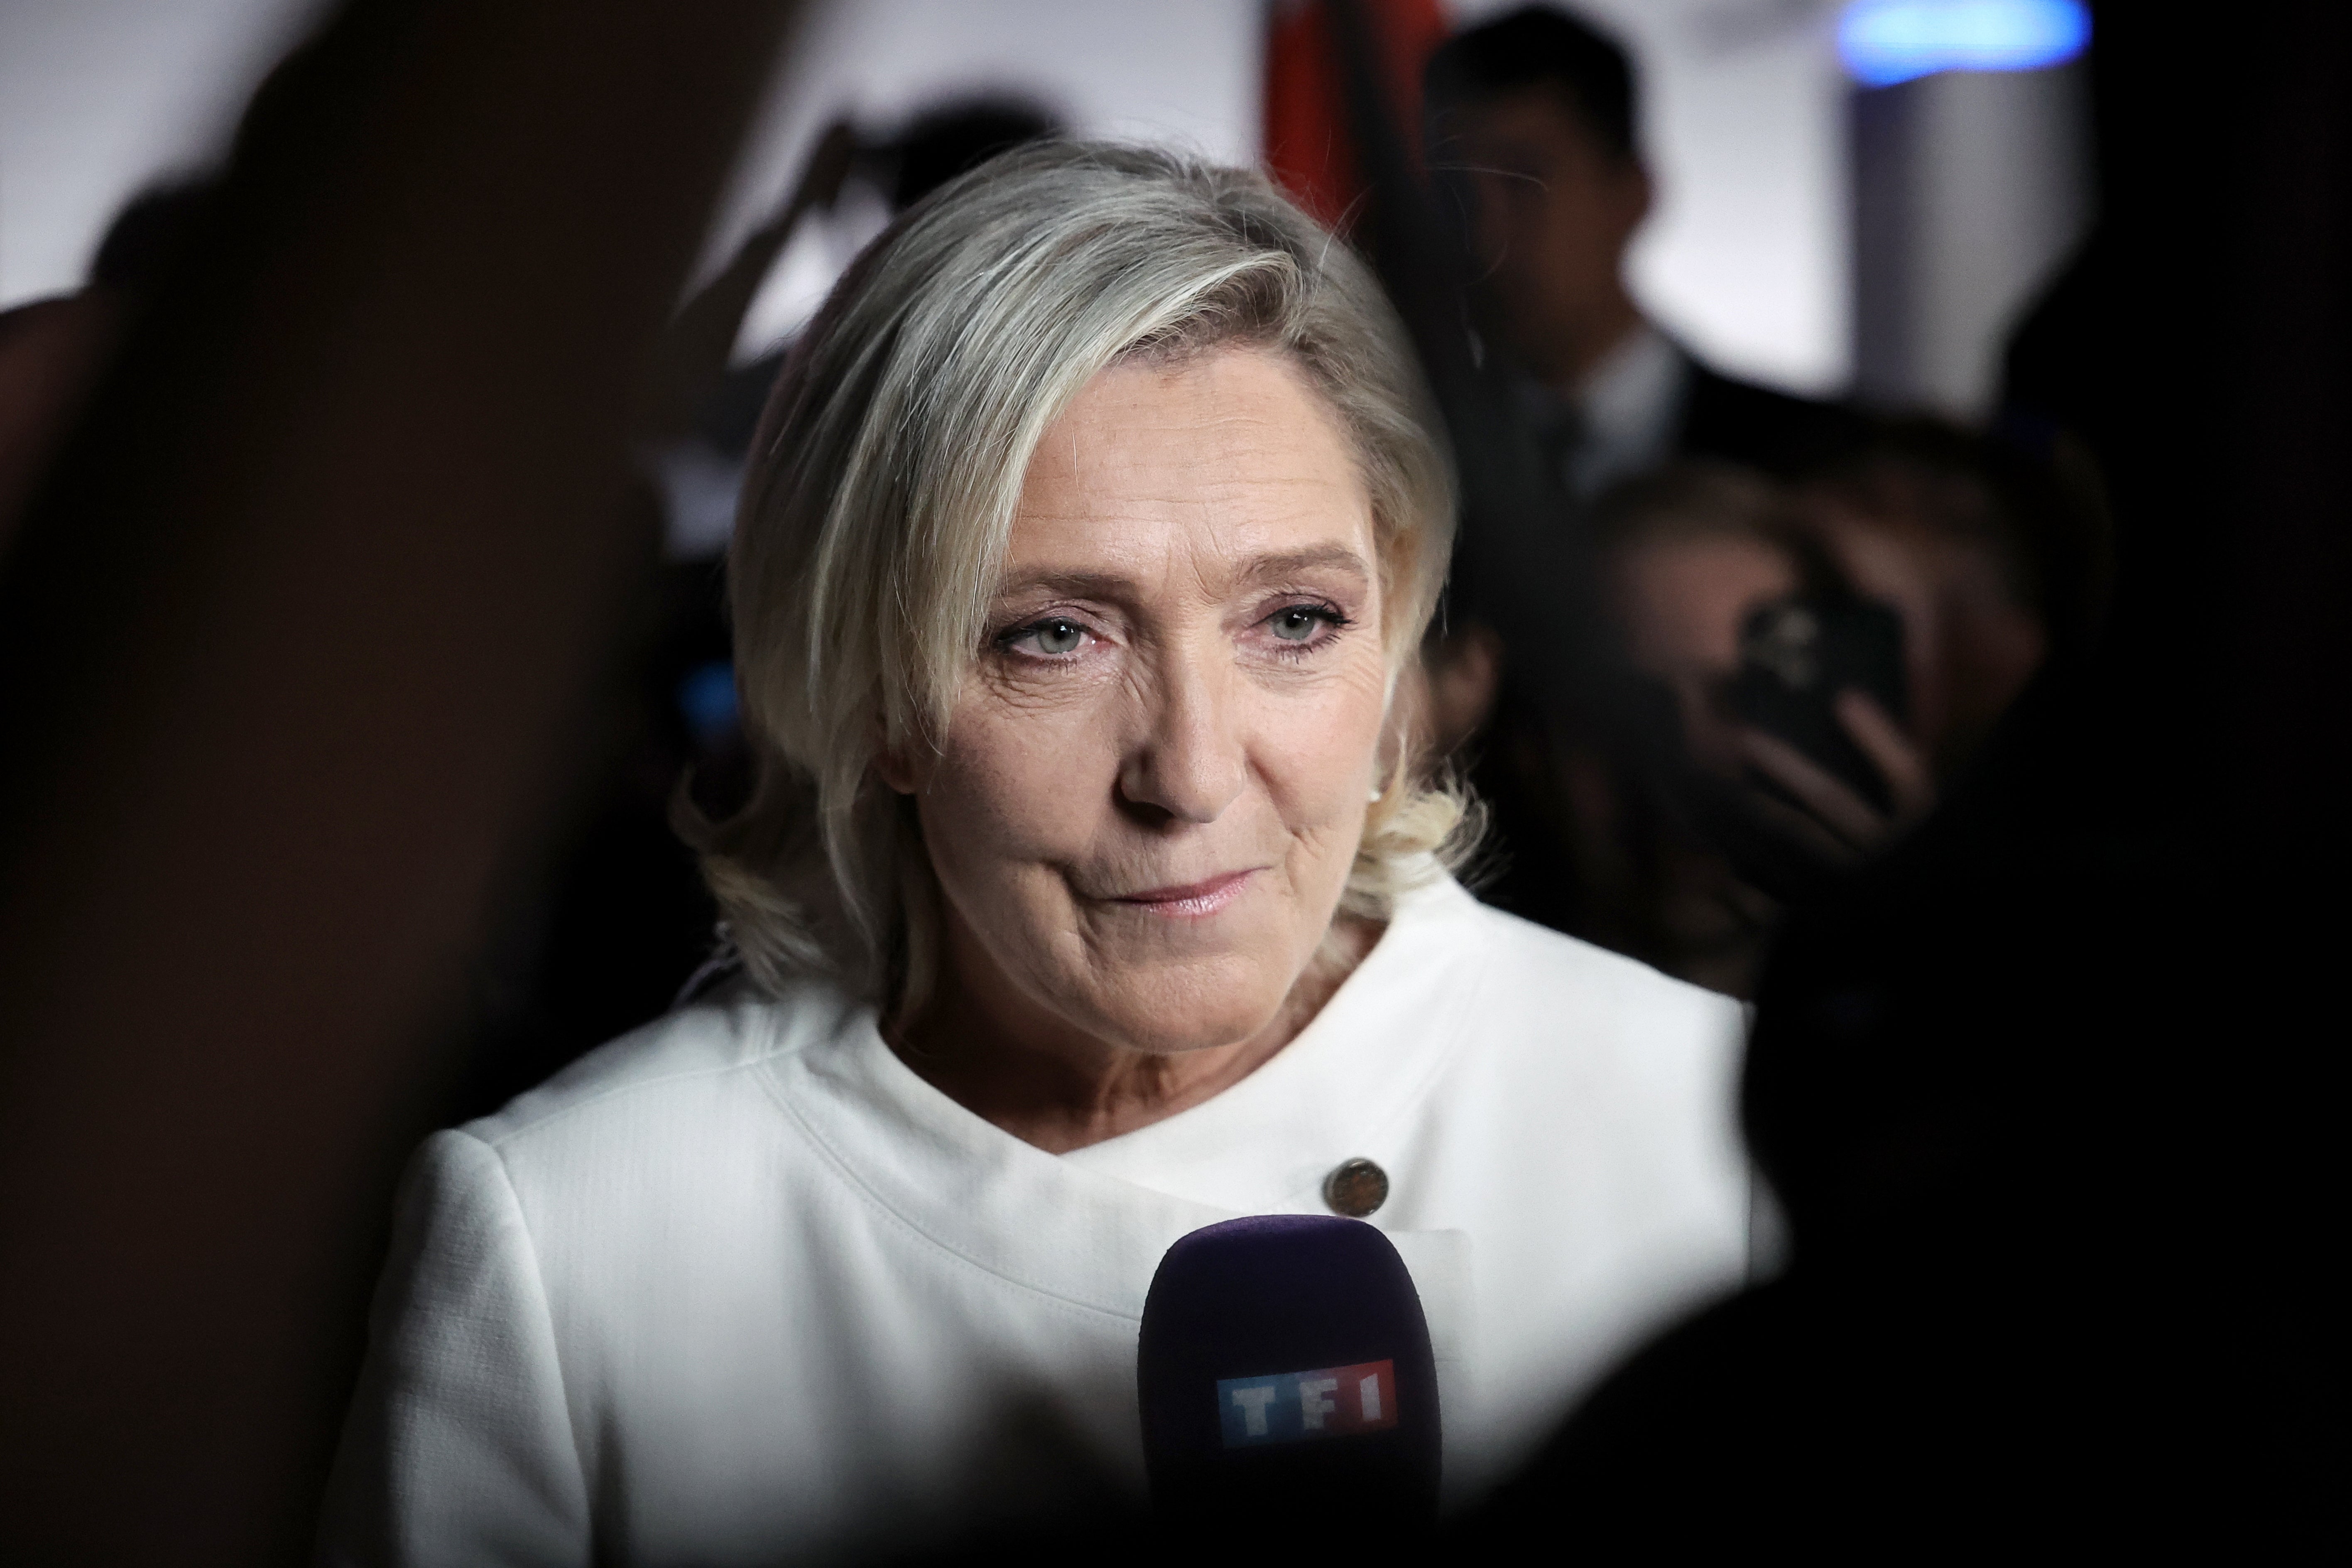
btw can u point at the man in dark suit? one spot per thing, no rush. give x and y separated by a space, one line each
1531 133
1532 128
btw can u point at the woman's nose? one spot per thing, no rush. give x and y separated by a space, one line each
1189 765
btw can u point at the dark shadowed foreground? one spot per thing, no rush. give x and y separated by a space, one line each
2041 1088
292 651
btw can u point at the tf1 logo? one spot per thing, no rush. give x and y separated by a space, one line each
1292 1406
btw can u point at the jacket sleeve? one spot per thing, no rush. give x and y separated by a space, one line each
459 1446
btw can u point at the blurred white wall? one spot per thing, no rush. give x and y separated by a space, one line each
1746 256
1971 188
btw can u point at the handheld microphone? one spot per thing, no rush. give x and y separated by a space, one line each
1285 1375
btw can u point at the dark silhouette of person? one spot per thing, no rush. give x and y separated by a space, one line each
53 350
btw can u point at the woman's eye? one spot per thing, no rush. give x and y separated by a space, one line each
1296 624
1056 636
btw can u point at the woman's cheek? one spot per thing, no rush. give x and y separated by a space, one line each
1322 751
1022 773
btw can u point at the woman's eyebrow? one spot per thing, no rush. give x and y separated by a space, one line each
1069 585
1289 563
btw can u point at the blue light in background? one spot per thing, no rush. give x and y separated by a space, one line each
1886 41
707 699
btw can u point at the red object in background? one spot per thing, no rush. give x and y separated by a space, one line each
1308 150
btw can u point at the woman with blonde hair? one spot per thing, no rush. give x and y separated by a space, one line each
1085 898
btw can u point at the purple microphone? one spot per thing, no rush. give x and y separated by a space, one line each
1286 1376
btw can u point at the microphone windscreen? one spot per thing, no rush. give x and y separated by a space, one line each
1284 1371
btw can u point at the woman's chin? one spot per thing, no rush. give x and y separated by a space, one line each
1169 1009
1173 985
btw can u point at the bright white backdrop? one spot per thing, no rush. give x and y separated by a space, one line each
1746 258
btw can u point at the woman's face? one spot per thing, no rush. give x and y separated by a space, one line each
1155 777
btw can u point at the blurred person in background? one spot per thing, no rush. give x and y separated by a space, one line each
1693 557
1993 558
1612 848
1532 123
1967 555
1533 127
1084 898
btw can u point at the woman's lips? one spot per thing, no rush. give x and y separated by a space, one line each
1194 899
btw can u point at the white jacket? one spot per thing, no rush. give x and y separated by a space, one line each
741 1287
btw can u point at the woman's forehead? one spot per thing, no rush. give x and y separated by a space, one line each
1336 565
1227 462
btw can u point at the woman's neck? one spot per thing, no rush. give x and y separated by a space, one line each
1060 1090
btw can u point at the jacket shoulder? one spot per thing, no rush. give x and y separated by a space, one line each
1560 975
734 1031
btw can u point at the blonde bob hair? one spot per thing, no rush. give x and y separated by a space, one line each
884 480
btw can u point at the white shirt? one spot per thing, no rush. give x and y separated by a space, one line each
742 1288
1633 406
1625 414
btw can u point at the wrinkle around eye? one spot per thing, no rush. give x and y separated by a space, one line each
1331 627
